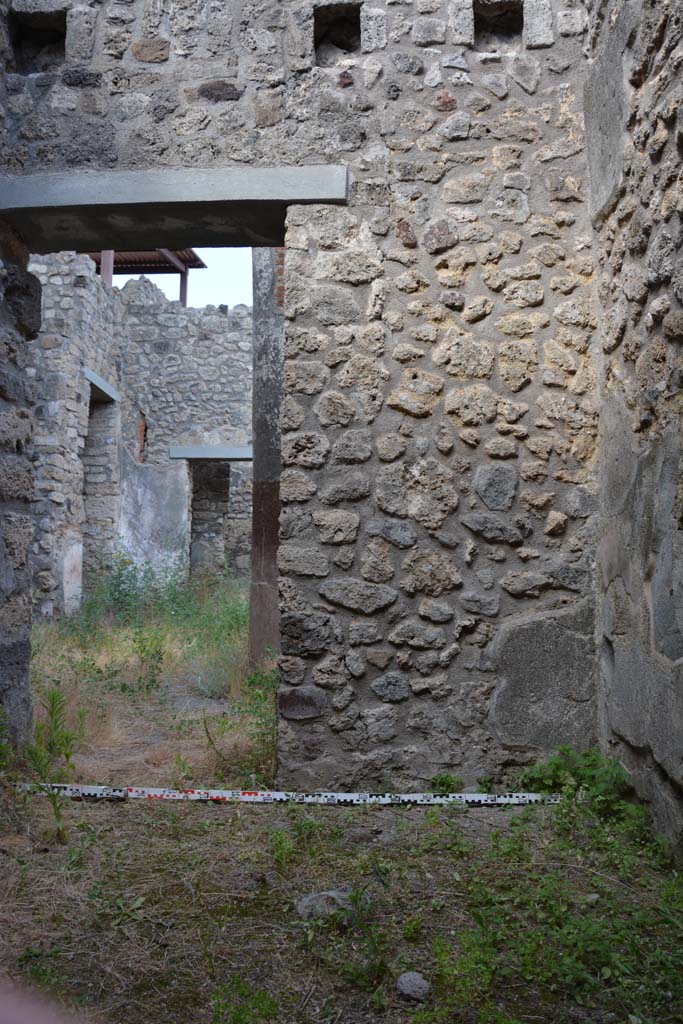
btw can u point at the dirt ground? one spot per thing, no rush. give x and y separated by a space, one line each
162 913
175 914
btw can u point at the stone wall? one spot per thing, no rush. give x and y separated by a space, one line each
190 372
634 107
101 483
19 321
440 415
440 407
78 331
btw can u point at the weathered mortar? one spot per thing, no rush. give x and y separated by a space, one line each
188 371
634 108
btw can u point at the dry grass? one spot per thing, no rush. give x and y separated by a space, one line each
158 689
153 908
185 914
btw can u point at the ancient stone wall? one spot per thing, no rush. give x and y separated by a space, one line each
634 109
102 482
440 413
19 321
190 372
78 332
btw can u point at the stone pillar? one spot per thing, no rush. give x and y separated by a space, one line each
268 268
19 321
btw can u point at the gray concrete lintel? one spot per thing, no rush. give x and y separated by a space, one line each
89 210
213 452
100 391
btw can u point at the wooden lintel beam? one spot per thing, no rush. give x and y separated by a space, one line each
173 260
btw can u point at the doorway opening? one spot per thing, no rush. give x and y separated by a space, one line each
64 215
101 484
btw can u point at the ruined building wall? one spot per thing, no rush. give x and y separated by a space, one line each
190 372
19 321
440 415
78 331
101 486
634 106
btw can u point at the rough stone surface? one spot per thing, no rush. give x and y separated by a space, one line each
533 702
413 986
637 248
104 482
460 320
319 905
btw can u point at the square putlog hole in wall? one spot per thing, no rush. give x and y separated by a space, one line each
38 40
336 32
497 23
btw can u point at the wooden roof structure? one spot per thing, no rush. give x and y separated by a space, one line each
153 261
148 261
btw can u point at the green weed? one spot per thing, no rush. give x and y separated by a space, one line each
235 1003
252 718
50 754
414 927
283 848
148 645
443 784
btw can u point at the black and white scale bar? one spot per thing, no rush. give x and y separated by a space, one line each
244 796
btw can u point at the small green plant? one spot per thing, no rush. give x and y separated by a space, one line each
76 858
148 645
235 1003
182 772
50 755
485 783
126 911
370 964
443 784
588 773
413 928
40 965
253 717
283 848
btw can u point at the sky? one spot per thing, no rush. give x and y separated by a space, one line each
226 281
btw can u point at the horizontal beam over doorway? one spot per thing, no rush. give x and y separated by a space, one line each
203 452
90 210
100 391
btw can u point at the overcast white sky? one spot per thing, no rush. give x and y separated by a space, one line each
226 281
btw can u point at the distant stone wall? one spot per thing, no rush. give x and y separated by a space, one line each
78 331
190 372
101 482
634 110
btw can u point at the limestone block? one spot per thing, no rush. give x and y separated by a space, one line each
461 22
358 595
373 27
538 24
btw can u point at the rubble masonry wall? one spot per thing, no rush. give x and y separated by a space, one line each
440 425
634 107
101 486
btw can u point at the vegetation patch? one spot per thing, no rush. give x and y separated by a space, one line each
155 684
558 914
562 914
